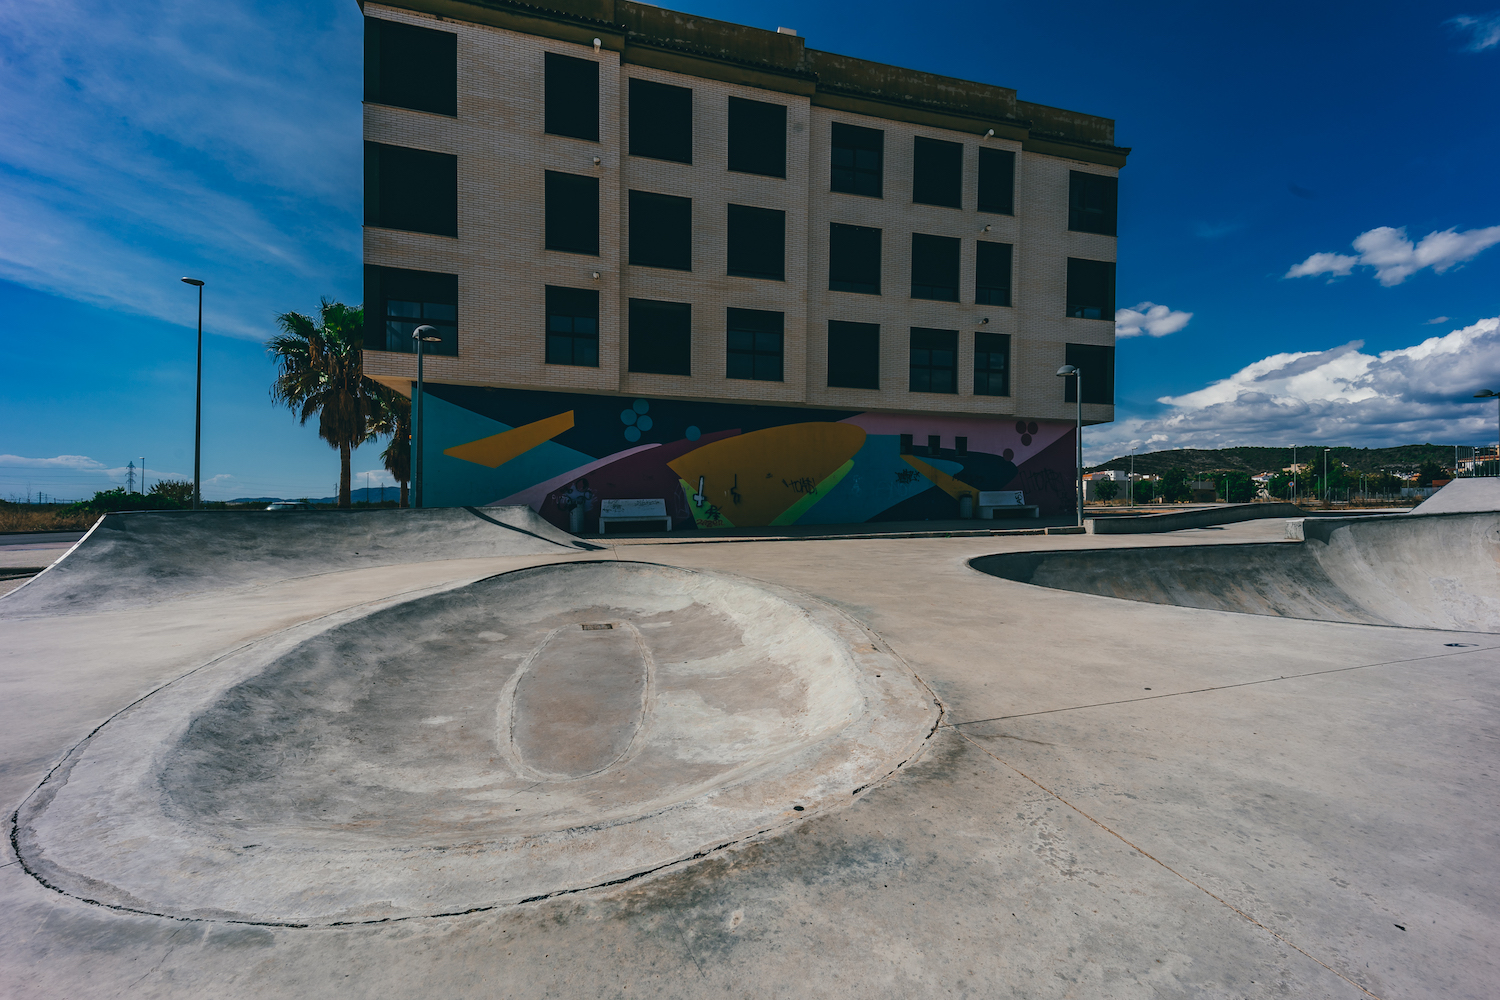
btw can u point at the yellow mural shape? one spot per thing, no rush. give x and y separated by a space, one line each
754 478
497 449
941 479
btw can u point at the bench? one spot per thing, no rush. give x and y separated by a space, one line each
1006 500
632 511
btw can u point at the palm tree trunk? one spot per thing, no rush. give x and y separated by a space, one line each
344 475
404 502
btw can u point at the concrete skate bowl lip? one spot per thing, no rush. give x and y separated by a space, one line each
541 732
144 557
1438 571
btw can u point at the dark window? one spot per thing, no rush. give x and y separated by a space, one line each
960 445
400 300
755 345
572 211
572 326
934 267
661 231
1092 202
997 181
570 96
661 121
992 274
853 355
906 445
411 67
853 259
411 189
934 444
992 364
934 360
757 242
1097 364
757 137
856 161
661 337
937 176
1091 289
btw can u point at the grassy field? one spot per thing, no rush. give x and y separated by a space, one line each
43 517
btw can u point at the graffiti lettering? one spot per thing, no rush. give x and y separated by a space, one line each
803 485
907 476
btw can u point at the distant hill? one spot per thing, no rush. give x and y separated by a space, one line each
361 495
1255 460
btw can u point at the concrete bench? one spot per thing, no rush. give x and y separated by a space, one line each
1009 501
632 511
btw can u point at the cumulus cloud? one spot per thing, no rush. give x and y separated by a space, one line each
1341 395
1149 319
1483 31
1396 258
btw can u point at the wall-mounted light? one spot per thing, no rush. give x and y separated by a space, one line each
597 43
597 161
984 321
990 134
985 229
596 275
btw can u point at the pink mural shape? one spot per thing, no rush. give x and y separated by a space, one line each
534 496
991 435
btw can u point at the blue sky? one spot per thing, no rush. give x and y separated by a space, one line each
1292 164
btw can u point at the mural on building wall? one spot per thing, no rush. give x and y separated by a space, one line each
729 464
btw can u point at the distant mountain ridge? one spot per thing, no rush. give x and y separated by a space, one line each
1407 457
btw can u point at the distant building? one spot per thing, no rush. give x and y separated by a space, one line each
672 257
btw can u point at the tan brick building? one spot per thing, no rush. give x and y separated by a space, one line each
607 208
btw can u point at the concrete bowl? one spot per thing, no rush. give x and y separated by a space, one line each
535 733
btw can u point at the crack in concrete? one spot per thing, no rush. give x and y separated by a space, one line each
1145 854
1218 687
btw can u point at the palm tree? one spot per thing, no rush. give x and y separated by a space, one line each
393 417
321 370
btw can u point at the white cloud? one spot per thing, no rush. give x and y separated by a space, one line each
1150 319
1323 263
145 141
1483 31
1340 396
1396 258
1436 320
57 462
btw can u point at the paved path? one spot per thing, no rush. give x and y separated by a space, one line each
1126 800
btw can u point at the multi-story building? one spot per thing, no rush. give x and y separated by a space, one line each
671 257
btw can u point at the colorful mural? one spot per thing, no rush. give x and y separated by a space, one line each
728 464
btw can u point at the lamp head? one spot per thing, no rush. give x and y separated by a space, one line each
1067 371
426 334
192 281
1486 394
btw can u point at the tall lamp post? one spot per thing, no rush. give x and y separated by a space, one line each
1490 394
421 335
1074 372
1326 493
198 416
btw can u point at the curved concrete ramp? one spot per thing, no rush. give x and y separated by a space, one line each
1463 496
136 558
1441 571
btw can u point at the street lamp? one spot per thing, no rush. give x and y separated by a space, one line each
1325 475
198 418
1490 394
1074 372
422 335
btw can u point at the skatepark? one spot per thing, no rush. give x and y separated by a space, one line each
461 752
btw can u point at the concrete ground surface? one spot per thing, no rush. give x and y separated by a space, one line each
1123 800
